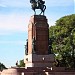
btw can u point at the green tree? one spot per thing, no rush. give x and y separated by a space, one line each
21 63
2 66
63 35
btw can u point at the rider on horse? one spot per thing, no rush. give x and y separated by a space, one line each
38 4
41 2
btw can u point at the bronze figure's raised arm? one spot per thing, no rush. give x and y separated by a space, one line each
38 4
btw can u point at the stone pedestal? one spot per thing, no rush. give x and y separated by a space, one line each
38 30
33 60
38 40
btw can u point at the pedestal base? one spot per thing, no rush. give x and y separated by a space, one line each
34 60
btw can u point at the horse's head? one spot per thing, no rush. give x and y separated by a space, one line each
32 1
33 4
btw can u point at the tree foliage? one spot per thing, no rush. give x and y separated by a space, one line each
63 36
2 66
21 63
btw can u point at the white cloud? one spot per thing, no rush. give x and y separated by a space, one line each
4 33
2 5
26 3
16 3
13 23
59 2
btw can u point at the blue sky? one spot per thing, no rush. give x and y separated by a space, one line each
14 19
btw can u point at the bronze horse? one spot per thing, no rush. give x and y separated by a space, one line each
39 4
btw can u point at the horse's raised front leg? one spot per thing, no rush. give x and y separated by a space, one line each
34 12
41 12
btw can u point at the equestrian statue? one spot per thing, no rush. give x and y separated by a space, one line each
38 4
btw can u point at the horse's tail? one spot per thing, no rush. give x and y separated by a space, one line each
44 8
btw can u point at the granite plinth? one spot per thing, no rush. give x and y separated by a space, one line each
34 60
38 28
